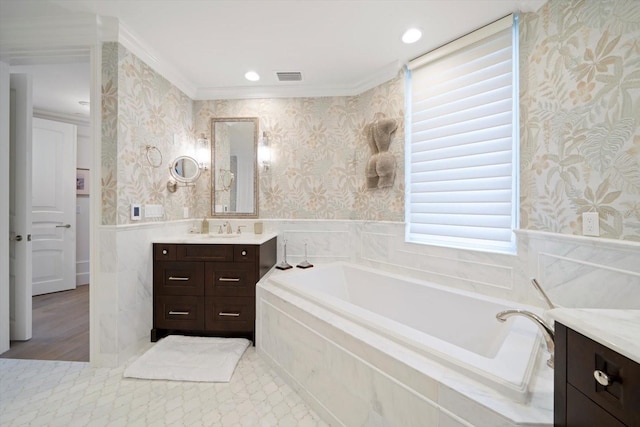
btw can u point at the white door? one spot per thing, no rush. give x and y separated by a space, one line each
21 111
53 206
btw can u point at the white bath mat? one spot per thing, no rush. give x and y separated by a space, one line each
181 358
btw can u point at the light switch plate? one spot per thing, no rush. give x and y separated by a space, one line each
136 212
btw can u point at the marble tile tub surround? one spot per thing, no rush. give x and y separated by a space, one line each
352 376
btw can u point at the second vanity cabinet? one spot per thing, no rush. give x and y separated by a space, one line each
207 289
594 385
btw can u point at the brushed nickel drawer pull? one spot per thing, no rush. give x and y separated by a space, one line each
179 313
602 378
229 279
229 314
178 279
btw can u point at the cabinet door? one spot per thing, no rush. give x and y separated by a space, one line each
582 412
178 312
230 279
178 278
230 314
621 397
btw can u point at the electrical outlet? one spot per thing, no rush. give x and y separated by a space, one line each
590 224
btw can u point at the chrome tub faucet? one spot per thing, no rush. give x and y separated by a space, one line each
547 330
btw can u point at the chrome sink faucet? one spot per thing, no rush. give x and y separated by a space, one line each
228 228
547 331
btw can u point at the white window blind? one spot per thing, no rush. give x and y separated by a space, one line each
462 154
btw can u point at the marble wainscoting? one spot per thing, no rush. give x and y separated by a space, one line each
584 272
576 271
121 301
381 245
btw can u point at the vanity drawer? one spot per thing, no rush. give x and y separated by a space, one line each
230 313
164 252
204 252
179 312
229 279
178 278
622 397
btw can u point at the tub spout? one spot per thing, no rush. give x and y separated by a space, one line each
547 331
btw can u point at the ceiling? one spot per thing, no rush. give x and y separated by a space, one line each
342 47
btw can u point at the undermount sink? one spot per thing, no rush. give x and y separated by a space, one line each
222 236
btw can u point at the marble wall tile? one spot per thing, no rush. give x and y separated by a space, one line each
585 272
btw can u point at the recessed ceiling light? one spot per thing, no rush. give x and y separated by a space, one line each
412 35
252 76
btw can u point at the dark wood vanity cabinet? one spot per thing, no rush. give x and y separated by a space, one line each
207 289
593 385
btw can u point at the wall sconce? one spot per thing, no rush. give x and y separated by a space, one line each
264 152
203 154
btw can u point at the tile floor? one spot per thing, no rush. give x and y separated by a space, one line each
47 393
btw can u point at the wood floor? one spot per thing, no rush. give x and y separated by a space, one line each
60 328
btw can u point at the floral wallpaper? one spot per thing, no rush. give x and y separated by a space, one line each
580 132
319 153
141 108
580 117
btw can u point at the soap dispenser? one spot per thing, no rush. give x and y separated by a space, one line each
204 229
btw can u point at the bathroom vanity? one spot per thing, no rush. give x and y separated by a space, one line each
597 368
205 284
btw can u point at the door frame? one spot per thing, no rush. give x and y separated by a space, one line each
5 93
21 327
65 38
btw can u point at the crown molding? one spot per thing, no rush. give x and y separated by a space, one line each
142 50
47 39
62 117
295 90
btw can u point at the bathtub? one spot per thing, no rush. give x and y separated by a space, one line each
366 323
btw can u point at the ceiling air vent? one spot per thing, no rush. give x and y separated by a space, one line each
289 76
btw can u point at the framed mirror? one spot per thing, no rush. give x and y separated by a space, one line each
234 167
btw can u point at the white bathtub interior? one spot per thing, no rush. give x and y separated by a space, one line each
455 328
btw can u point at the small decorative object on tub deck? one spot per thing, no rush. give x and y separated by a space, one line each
381 168
305 263
284 265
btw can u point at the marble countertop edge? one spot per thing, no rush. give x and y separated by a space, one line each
217 239
617 329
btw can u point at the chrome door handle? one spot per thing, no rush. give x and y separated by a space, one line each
228 279
63 226
229 314
179 313
18 238
178 279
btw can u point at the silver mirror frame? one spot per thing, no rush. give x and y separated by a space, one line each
256 125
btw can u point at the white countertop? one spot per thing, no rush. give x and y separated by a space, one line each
617 329
218 239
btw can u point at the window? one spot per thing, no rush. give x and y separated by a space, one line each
462 153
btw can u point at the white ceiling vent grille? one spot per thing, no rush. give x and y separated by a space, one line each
289 76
